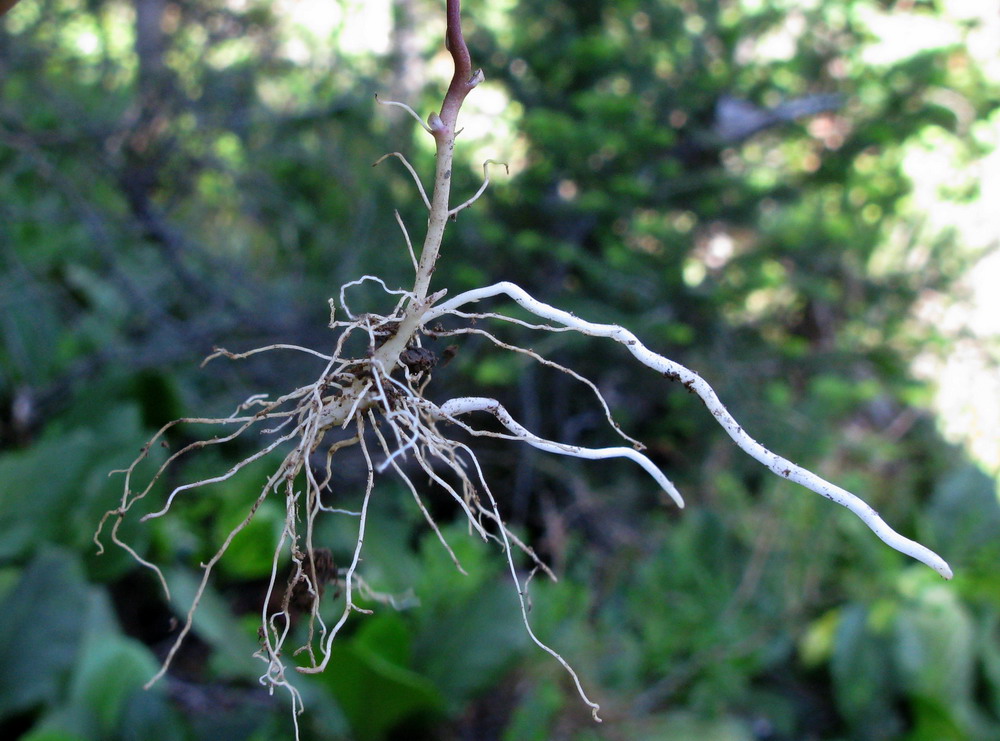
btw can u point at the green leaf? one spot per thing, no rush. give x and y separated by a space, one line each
372 685
965 514
483 635
863 680
988 641
56 490
52 735
534 716
934 648
29 329
686 725
469 620
215 624
495 371
816 644
110 669
35 483
251 552
40 632
935 720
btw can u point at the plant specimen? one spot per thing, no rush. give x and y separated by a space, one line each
376 400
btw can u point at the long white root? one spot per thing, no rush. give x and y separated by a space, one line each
698 385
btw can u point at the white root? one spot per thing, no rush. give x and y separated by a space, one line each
463 405
691 380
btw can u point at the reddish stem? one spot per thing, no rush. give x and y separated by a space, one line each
6 5
464 78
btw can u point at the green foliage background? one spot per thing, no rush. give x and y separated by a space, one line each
179 174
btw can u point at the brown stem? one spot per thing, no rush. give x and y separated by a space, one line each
464 78
6 5
442 126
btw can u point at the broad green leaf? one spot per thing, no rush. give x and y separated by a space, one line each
685 726
988 644
534 715
934 719
53 735
110 669
29 328
66 474
34 484
365 673
251 553
864 684
215 624
934 652
472 620
40 631
965 514
817 643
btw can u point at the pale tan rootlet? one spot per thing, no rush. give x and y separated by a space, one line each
377 403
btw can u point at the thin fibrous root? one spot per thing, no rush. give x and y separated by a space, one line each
482 188
420 504
594 707
223 352
551 364
463 405
406 108
406 236
358 282
409 168
349 606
